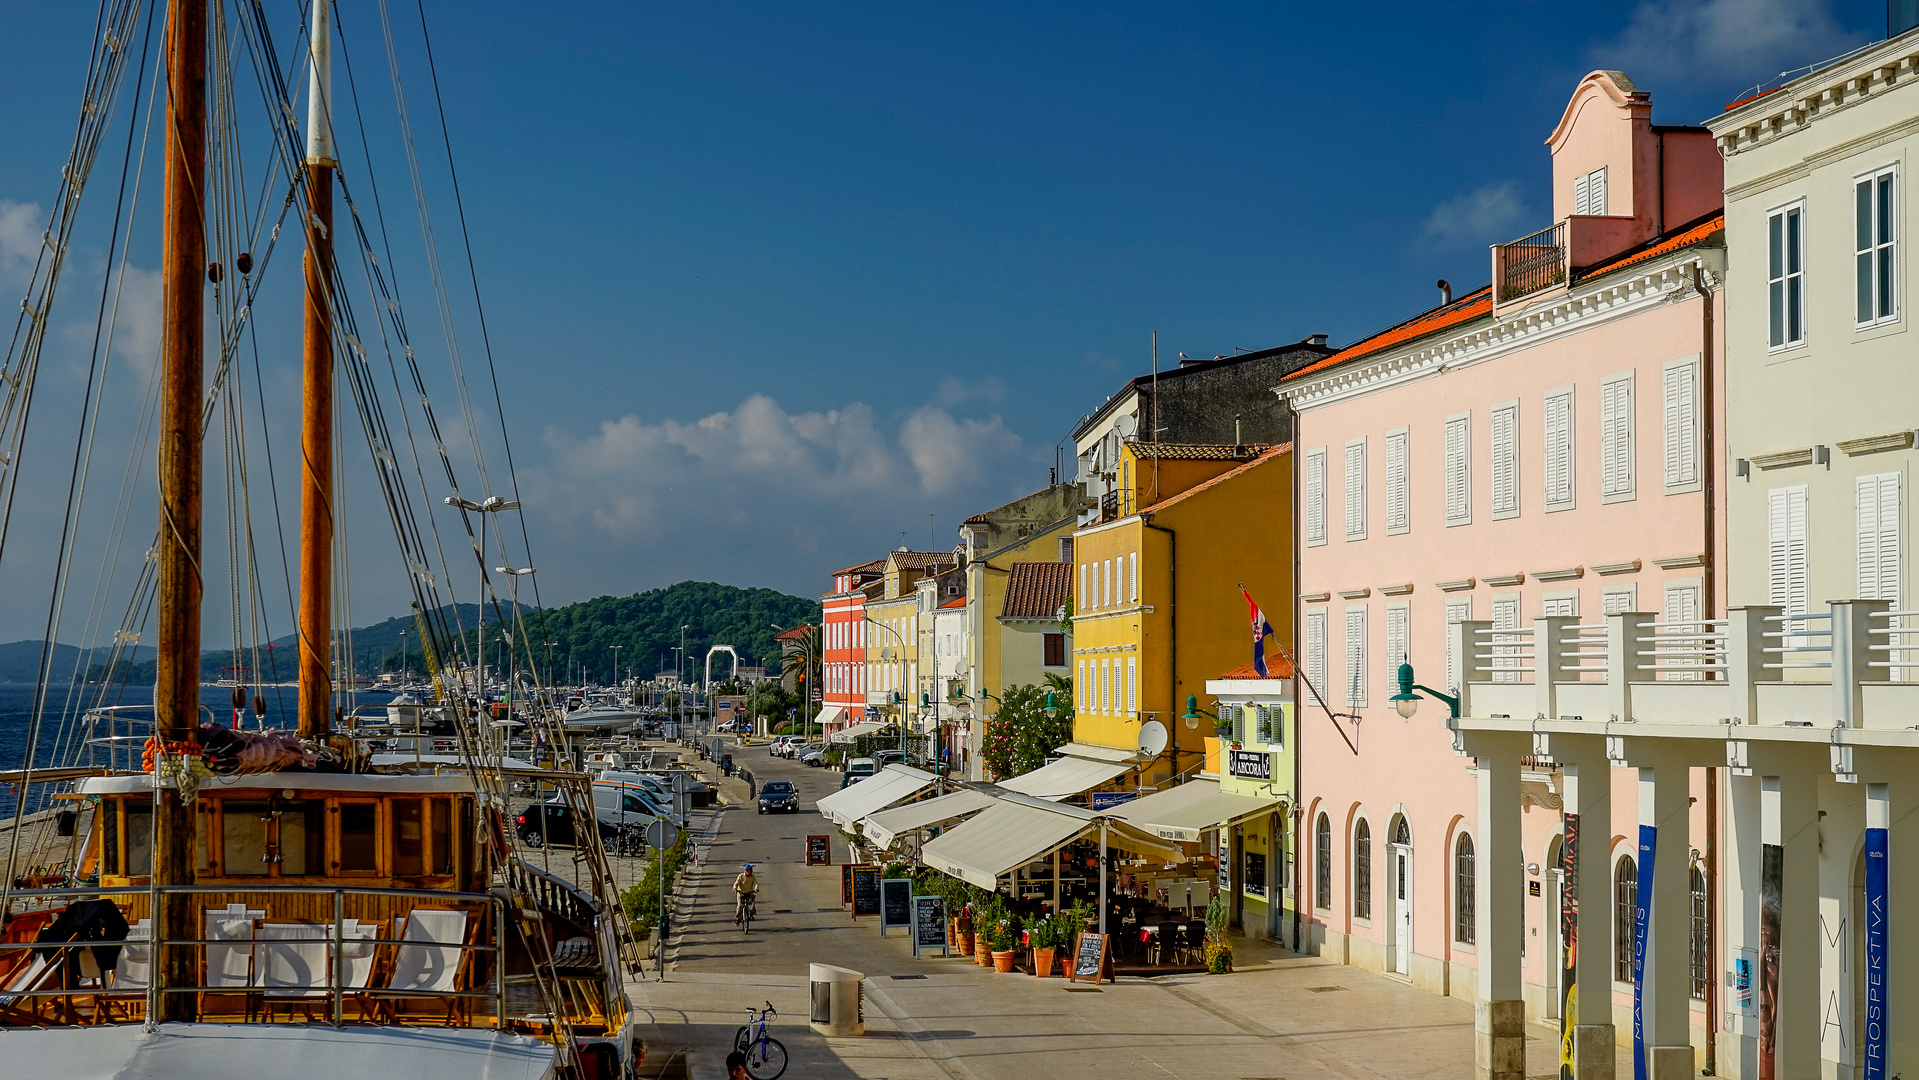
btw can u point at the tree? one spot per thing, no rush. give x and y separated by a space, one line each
1026 731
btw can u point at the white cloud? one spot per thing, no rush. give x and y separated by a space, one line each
21 225
1732 43
758 494
1485 215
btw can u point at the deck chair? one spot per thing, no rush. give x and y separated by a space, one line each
290 966
359 949
429 959
38 973
229 967
127 983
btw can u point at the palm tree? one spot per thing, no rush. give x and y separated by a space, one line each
803 660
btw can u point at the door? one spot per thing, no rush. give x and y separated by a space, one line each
1402 914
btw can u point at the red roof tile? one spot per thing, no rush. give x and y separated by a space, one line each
1687 236
876 564
920 559
961 602
1474 305
1277 667
1035 590
1193 451
795 634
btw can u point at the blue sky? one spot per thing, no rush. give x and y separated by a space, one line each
770 284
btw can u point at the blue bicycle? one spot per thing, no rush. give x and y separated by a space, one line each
765 1055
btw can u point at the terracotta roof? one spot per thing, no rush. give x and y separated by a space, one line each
1684 237
961 602
920 559
1194 451
1035 590
876 564
795 634
1220 479
1277 667
1474 305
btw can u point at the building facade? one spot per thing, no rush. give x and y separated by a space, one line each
843 644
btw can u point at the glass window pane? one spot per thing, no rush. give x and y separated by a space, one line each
301 833
359 844
1863 269
243 850
442 836
1792 241
409 838
1862 216
110 837
1885 282
139 838
1777 301
1775 246
1795 310
1885 209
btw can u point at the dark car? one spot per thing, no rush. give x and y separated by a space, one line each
558 831
779 796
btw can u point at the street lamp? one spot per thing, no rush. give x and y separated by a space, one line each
1407 702
513 577
492 504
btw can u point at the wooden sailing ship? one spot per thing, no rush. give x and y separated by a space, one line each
291 907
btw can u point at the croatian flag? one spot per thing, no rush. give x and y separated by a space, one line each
1261 631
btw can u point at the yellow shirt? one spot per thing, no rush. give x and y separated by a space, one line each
745 884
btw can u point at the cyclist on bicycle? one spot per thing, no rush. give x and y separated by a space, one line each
745 888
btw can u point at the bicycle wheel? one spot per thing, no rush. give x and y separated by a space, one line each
742 1037
766 1059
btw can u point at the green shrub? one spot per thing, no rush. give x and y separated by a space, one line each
641 902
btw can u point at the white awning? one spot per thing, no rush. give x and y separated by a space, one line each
864 727
1182 813
828 715
1097 752
1003 836
876 792
886 826
1065 777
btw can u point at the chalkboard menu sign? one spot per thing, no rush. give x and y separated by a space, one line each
1089 959
929 924
819 852
896 903
866 890
846 883
1255 883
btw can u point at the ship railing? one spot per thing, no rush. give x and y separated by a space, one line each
337 993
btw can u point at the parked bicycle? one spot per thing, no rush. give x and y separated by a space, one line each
765 1055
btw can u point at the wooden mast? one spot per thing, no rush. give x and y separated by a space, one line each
316 422
176 683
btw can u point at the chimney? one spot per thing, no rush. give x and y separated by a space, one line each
1445 292
1316 339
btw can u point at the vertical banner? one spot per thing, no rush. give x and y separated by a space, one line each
1641 922
1772 863
1568 942
1876 915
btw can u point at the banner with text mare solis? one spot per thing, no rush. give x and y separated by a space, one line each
1877 911
1641 908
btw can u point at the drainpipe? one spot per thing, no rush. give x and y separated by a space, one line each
1299 635
1709 578
1172 635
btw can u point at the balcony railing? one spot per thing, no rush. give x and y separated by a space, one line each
1109 507
1531 263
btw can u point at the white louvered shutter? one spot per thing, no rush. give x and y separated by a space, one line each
1877 502
1580 195
1682 610
1458 463
1456 612
1079 686
1615 437
1106 583
1680 419
1132 575
1596 192
1132 685
1619 600
1786 569
1316 497
1316 649
1398 482
1396 646
1559 449
1565 607
1355 490
1356 658
1505 465
1505 656
1085 601
1105 686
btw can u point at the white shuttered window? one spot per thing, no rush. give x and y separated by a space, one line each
1356 490
1876 499
1316 649
1619 599
1786 551
1505 465
1132 685
1132 576
1398 481
1457 611
1397 618
1316 496
1616 437
1505 655
1106 583
1558 461
1355 673
1682 612
1105 685
1459 489
1679 419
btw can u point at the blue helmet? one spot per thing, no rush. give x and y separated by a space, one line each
747 867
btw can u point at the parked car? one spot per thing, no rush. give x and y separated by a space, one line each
779 797
814 754
859 769
619 838
791 745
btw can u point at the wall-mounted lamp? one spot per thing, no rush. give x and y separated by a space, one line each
1407 702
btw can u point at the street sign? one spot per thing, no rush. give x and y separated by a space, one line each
660 834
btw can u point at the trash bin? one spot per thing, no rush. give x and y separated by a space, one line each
836 1000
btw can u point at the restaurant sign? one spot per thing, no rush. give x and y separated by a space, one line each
1250 765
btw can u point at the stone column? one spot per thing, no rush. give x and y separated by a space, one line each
1588 785
1499 1011
1661 1013
1789 818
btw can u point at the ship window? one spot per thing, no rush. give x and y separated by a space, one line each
301 832
442 836
110 838
243 833
139 838
203 822
359 840
409 837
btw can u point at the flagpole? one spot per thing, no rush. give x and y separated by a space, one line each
1300 671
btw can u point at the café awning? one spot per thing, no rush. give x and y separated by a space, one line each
1018 829
876 792
885 826
1065 777
828 716
1182 813
864 727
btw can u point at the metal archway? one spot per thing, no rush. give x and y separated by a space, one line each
728 650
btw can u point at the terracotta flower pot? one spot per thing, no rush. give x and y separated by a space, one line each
983 952
1043 963
965 946
1003 961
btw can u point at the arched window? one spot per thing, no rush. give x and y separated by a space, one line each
1700 949
1402 835
1465 892
1363 871
1625 898
1323 863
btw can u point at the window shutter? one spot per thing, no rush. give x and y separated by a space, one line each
1355 490
1263 724
1615 437
1682 607
1398 479
1356 658
1457 612
1619 600
1105 685
1316 496
1877 502
1239 724
1786 554
1506 460
1106 583
1396 646
1580 196
1458 479
1681 423
1559 449
1132 685
1316 649
1505 659
1132 575
1596 192
1084 601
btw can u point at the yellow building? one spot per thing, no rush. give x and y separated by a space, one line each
1157 608
892 633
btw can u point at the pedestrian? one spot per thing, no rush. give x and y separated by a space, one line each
736 1065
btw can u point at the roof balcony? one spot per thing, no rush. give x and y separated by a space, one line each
1543 263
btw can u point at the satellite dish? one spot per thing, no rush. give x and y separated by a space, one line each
1152 738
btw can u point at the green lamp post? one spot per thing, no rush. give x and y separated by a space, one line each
1407 702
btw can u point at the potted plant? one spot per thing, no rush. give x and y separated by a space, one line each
1004 933
1045 934
987 917
1218 953
963 930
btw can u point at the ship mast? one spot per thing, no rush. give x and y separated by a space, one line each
176 683
316 423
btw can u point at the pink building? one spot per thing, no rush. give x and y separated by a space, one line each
1535 448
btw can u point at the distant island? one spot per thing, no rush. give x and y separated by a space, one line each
576 640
